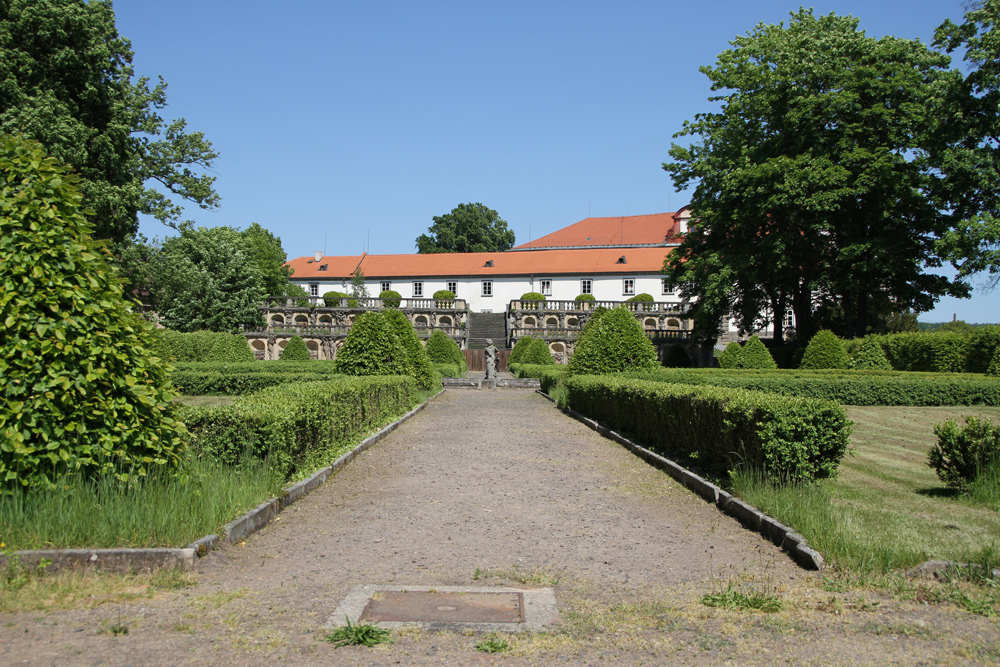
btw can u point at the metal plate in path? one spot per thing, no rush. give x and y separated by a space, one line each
437 607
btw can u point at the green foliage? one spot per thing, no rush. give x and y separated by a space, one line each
957 326
362 634
299 426
264 250
390 298
786 438
641 298
69 84
549 375
208 279
333 299
519 350
418 364
468 228
205 346
926 352
533 296
735 598
611 342
983 344
296 290
358 289
677 357
236 379
867 355
82 388
493 642
448 370
371 348
730 357
295 350
821 131
964 453
755 355
845 387
443 350
585 297
994 367
825 350
445 298
538 352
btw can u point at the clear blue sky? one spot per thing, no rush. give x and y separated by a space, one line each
347 126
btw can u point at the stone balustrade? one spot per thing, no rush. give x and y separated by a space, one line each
362 303
653 307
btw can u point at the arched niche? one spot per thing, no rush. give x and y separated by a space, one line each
650 323
552 322
530 321
673 324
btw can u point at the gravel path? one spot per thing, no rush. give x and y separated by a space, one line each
499 488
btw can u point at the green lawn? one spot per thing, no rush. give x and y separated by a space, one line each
887 509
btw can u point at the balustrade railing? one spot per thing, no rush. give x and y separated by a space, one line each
362 303
584 306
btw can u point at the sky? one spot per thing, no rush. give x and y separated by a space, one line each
345 127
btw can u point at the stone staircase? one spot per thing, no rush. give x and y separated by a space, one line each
486 325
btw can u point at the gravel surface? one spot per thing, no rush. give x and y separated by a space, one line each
500 488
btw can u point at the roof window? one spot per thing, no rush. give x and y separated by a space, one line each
489 263
324 267
622 260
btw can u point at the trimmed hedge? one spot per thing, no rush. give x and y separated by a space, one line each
371 348
203 346
788 439
295 350
538 352
548 375
964 453
418 364
585 297
612 341
332 299
390 298
755 355
845 387
730 355
301 426
677 357
867 355
519 350
207 379
448 370
443 350
824 351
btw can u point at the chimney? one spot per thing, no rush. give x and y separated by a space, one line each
319 255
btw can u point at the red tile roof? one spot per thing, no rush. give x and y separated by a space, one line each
626 230
536 263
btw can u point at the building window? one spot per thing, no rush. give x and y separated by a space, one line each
666 288
418 290
386 286
586 287
628 286
487 288
453 288
547 287
313 289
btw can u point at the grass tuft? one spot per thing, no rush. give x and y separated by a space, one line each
739 600
361 634
493 642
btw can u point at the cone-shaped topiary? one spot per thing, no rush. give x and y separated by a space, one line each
538 352
755 355
677 357
295 350
443 350
730 357
612 341
825 351
519 350
370 348
418 364
390 298
868 355
83 391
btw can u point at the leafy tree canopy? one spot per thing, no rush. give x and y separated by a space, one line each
68 82
812 181
265 251
468 228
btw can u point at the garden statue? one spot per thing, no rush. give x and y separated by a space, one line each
491 360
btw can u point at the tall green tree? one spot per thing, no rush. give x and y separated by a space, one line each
972 161
207 279
67 82
269 257
468 228
812 181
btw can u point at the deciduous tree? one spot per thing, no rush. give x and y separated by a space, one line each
468 228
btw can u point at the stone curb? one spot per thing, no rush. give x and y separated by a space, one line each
781 535
503 383
133 560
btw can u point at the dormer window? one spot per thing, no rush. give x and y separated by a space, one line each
622 260
489 263
323 267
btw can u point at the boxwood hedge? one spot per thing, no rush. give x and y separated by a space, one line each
205 379
788 439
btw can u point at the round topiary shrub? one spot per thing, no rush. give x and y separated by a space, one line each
825 351
332 299
642 298
443 350
868 355
519 350
418 364
445 298
295 350
677 357
585 297
529 297
730 357
755 355
83 389
612 341
370 348
538 352
390 298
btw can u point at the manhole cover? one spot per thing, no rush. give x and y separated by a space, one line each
436 607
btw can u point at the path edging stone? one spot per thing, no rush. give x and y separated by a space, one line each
750 517
132 560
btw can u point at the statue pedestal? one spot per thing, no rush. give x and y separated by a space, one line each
488 384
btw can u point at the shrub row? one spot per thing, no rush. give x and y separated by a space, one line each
549 374
944 352
786 438
299 426
205 379
845 387
449 370
202 346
